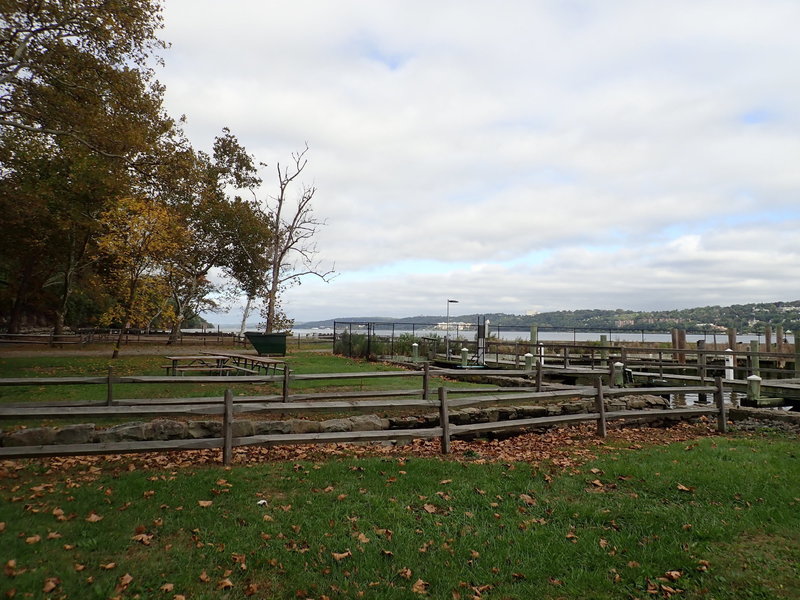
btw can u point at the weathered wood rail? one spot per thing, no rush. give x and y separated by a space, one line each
229 406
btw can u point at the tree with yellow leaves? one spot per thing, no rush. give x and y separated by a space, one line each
140 236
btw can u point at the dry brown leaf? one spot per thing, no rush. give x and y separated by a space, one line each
93 517
420 587
673 575
633 564
50 584
33 539
79 567
2 526
341 555
603 543
405 573
684 488
167 587
224 584
109 566
362 538
251 589
204 577
205 503
53 535
124 582
179 597
429 508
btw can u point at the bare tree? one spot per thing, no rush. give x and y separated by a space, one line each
293 252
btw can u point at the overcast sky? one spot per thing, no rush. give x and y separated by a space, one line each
516 156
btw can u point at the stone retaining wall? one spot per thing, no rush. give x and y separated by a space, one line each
169 429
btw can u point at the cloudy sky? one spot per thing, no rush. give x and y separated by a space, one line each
517 156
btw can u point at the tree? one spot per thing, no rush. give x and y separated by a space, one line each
78 68
292 254
141 236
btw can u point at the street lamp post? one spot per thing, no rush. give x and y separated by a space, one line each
447 334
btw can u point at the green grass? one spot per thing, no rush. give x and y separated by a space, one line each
718 518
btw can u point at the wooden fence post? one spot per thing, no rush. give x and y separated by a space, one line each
286 372
601 408
110 389
227 429
719 397
426 372
444 420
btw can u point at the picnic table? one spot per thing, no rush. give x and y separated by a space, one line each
253 363
205 362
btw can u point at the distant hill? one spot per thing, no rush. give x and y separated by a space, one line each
743 317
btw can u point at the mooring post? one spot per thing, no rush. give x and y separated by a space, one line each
464 357
534 335
414 352
286 373
796 354
426 371
603 350
768 338
755 365
444 420
539 375
540 348
753 389
682 346
601 408
227 429
719 398
110 390
528 361
701 368
619 374
729 364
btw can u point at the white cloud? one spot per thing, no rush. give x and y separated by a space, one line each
644 146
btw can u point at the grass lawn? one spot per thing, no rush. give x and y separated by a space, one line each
298 361
715 517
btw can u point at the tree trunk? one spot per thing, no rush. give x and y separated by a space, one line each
175 332
245 314
15 316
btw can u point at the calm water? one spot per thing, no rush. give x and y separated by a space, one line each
522 334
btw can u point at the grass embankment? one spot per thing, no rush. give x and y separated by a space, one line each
716 519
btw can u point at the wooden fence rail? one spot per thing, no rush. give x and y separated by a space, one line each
230 406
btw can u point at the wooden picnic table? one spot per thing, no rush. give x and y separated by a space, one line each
200 362
254 362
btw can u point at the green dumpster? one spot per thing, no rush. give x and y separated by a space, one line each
268 343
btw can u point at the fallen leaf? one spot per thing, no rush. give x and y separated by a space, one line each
429 508
341 555
224 584
53 535
420 587
205 503
93 517
124 582
50 584
405 573
33 539
673 575
683 488
204 577
167 587
109 566
251 589
529 500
